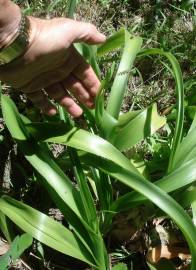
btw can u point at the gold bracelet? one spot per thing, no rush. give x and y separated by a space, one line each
19 45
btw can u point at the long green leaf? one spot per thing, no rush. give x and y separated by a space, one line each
44 229
180 99
185 175
131 48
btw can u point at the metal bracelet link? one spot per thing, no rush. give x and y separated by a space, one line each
19 45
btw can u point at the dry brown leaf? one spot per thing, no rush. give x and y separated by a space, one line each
168 252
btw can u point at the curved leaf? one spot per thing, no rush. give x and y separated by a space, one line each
177 73
143 125
44 229
113 42
181 177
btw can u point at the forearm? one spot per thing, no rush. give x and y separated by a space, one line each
10 16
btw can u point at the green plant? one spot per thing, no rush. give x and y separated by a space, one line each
19 244
95 153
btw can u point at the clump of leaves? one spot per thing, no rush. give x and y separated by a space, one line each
95 168
95 155
18 246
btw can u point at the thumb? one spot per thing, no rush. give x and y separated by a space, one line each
88 33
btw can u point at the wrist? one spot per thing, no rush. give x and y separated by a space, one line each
10 17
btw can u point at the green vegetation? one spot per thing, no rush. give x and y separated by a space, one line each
126 156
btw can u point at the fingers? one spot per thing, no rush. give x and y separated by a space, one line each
71 106
88 78
87 32
82 83
84 87
74 85
58 93
41 101
78 90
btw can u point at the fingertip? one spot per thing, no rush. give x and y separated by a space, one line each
96 38
71 107
75 111
102 38
88 33
50 112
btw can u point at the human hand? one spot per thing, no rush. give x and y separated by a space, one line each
53 64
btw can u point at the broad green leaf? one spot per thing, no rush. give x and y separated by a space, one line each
186 173
124 118
44 229
114 42
143 125
83 140
120 266
18 246
131 48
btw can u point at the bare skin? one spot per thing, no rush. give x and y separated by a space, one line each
52 63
